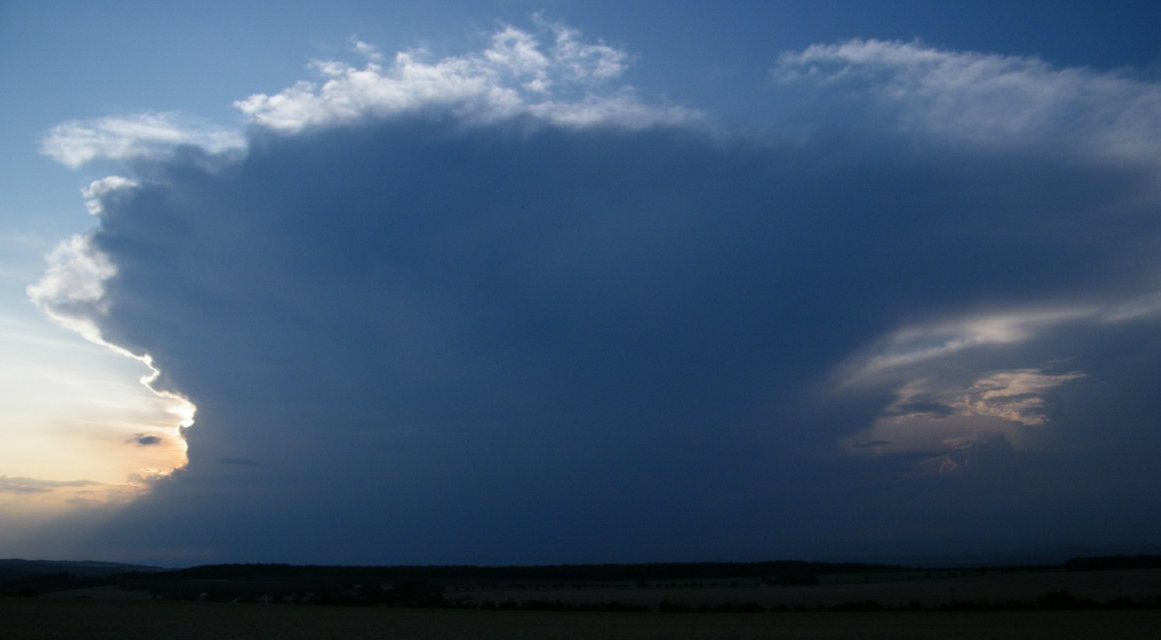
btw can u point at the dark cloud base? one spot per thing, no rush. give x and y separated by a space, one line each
432 343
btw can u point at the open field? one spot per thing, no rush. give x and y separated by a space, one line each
602 601
63 619
966 586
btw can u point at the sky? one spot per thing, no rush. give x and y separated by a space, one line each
559 282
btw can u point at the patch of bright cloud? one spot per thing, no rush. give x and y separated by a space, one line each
947 424
72 291
552 75
943 399
1016 396
144 135
99 189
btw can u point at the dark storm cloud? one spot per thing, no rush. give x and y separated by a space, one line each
143 440
526 340
533 334
242 462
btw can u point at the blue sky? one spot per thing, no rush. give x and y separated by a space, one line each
578 282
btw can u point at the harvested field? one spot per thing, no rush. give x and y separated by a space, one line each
63 619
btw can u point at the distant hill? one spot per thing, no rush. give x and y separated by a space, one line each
13 568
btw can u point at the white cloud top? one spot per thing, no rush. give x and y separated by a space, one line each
551 75
98 189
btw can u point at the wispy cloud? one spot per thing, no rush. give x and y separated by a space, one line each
143 135
990 99
918 345
35 485
36 497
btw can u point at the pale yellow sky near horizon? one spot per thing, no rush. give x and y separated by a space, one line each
76 411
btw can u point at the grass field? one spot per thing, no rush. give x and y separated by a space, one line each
63 619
